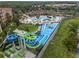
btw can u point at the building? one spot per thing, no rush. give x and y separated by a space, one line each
25 19
3 12
64 5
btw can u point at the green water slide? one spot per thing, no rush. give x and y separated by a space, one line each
41 42
30 36
33 46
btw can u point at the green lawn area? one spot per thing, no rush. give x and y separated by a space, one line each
65 41
20 54
28 27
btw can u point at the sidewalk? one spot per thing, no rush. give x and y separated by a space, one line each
29 54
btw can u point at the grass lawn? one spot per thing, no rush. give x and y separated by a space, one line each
28 27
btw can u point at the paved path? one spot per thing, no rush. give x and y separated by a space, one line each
29 54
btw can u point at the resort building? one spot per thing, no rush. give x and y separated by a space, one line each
25 19
3 12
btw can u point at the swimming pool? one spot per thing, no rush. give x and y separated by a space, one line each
46 31
43 37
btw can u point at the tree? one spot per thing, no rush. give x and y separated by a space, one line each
12 26
1 55
8 17
16 16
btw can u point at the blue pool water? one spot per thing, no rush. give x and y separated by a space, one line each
44 35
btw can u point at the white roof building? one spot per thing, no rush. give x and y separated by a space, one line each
26 20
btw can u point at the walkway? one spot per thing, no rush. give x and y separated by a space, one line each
29 54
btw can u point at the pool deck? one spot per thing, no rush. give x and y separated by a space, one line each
29 54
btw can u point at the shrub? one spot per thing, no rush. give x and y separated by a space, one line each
1 55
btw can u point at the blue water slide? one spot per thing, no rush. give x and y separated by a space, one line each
11 37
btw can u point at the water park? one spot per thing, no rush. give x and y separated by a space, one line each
23 39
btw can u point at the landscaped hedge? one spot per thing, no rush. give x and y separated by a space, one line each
65 41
